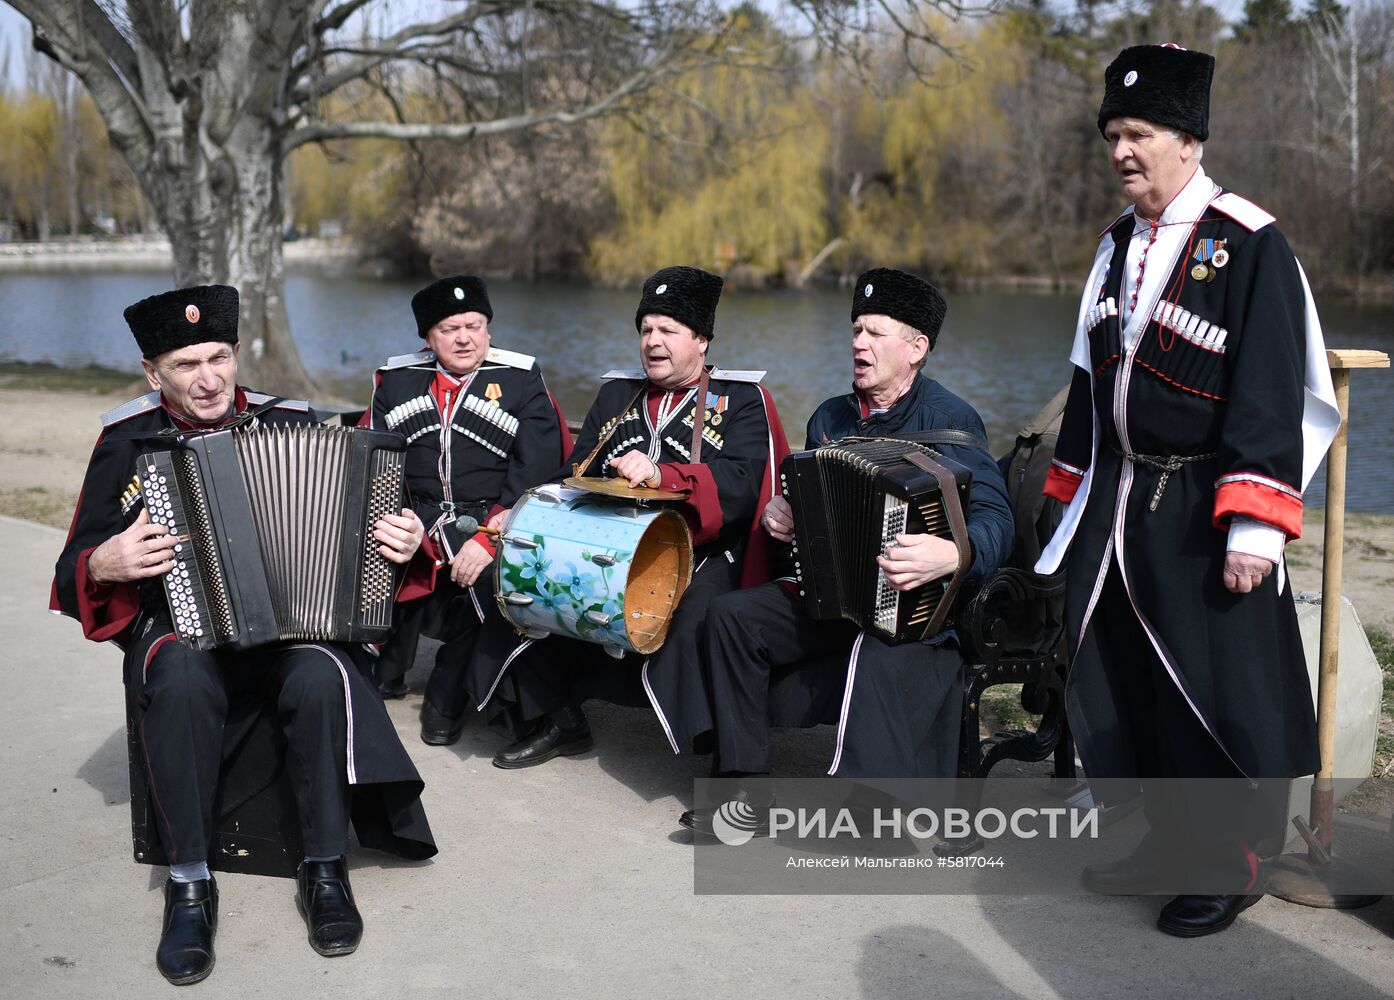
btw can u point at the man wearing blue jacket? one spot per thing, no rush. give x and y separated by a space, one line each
898 707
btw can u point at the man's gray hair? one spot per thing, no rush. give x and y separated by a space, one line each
910 333
1178 135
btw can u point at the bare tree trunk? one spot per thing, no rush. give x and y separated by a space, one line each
234 199
70 143
1353 122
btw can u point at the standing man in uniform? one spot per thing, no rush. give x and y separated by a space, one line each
481 427
641 429
897 707
214 722
1200 407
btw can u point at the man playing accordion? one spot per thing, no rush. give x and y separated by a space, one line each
897 707
213 724
643 428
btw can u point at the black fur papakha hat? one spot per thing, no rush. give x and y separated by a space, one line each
686 294
460 293
185 316
1165 84
915 302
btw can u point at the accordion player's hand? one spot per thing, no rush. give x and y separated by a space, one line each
399 535
914 560
778 519
143 550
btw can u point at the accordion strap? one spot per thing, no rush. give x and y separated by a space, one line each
958 525
947 435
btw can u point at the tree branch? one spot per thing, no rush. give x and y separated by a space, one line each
108 69
338 17
387 50
316 131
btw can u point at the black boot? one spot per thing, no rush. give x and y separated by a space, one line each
439 729
564 733
326 903
185 954
1196 916
748 812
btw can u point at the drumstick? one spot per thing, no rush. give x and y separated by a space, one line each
469 525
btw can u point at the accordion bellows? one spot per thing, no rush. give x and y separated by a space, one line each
849 501
276 533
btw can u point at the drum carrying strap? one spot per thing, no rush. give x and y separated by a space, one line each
699 420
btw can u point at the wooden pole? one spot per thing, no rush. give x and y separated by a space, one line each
1323 798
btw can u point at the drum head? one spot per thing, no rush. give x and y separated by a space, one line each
620 488
659 574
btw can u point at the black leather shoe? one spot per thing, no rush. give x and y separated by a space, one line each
548 740
393 689
326 903
185 954
742 814
1196 916
1126 877
439 729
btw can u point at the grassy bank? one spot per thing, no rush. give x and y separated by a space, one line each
42 376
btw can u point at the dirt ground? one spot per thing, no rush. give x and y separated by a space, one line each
49 419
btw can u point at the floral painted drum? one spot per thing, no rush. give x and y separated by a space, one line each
593 568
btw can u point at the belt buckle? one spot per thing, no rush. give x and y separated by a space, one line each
447 507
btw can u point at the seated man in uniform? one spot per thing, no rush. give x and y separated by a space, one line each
481 427
213 720
642 428
897 706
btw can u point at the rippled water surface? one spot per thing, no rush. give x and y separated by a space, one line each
1004 352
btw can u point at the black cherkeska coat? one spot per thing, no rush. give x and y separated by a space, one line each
1217 371
474 444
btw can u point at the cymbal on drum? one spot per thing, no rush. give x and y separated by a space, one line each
617 487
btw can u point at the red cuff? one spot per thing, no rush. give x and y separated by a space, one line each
670 479
1272 504
703 505
420 577
487 541
105 609
1061 485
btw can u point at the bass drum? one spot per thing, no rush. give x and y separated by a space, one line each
592 568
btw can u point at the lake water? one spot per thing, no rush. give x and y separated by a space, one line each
1004 352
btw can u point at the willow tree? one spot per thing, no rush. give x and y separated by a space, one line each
205 99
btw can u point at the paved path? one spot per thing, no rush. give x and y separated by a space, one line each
564 881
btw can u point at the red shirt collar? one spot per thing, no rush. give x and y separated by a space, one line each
865 406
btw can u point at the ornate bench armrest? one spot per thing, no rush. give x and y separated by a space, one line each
1010 615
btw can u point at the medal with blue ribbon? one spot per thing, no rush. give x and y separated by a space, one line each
1209 255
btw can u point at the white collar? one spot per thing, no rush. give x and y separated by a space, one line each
1187 207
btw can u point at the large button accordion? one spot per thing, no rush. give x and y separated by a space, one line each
275 529
849 501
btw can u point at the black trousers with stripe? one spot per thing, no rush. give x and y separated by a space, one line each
451 614
898 708
194 704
